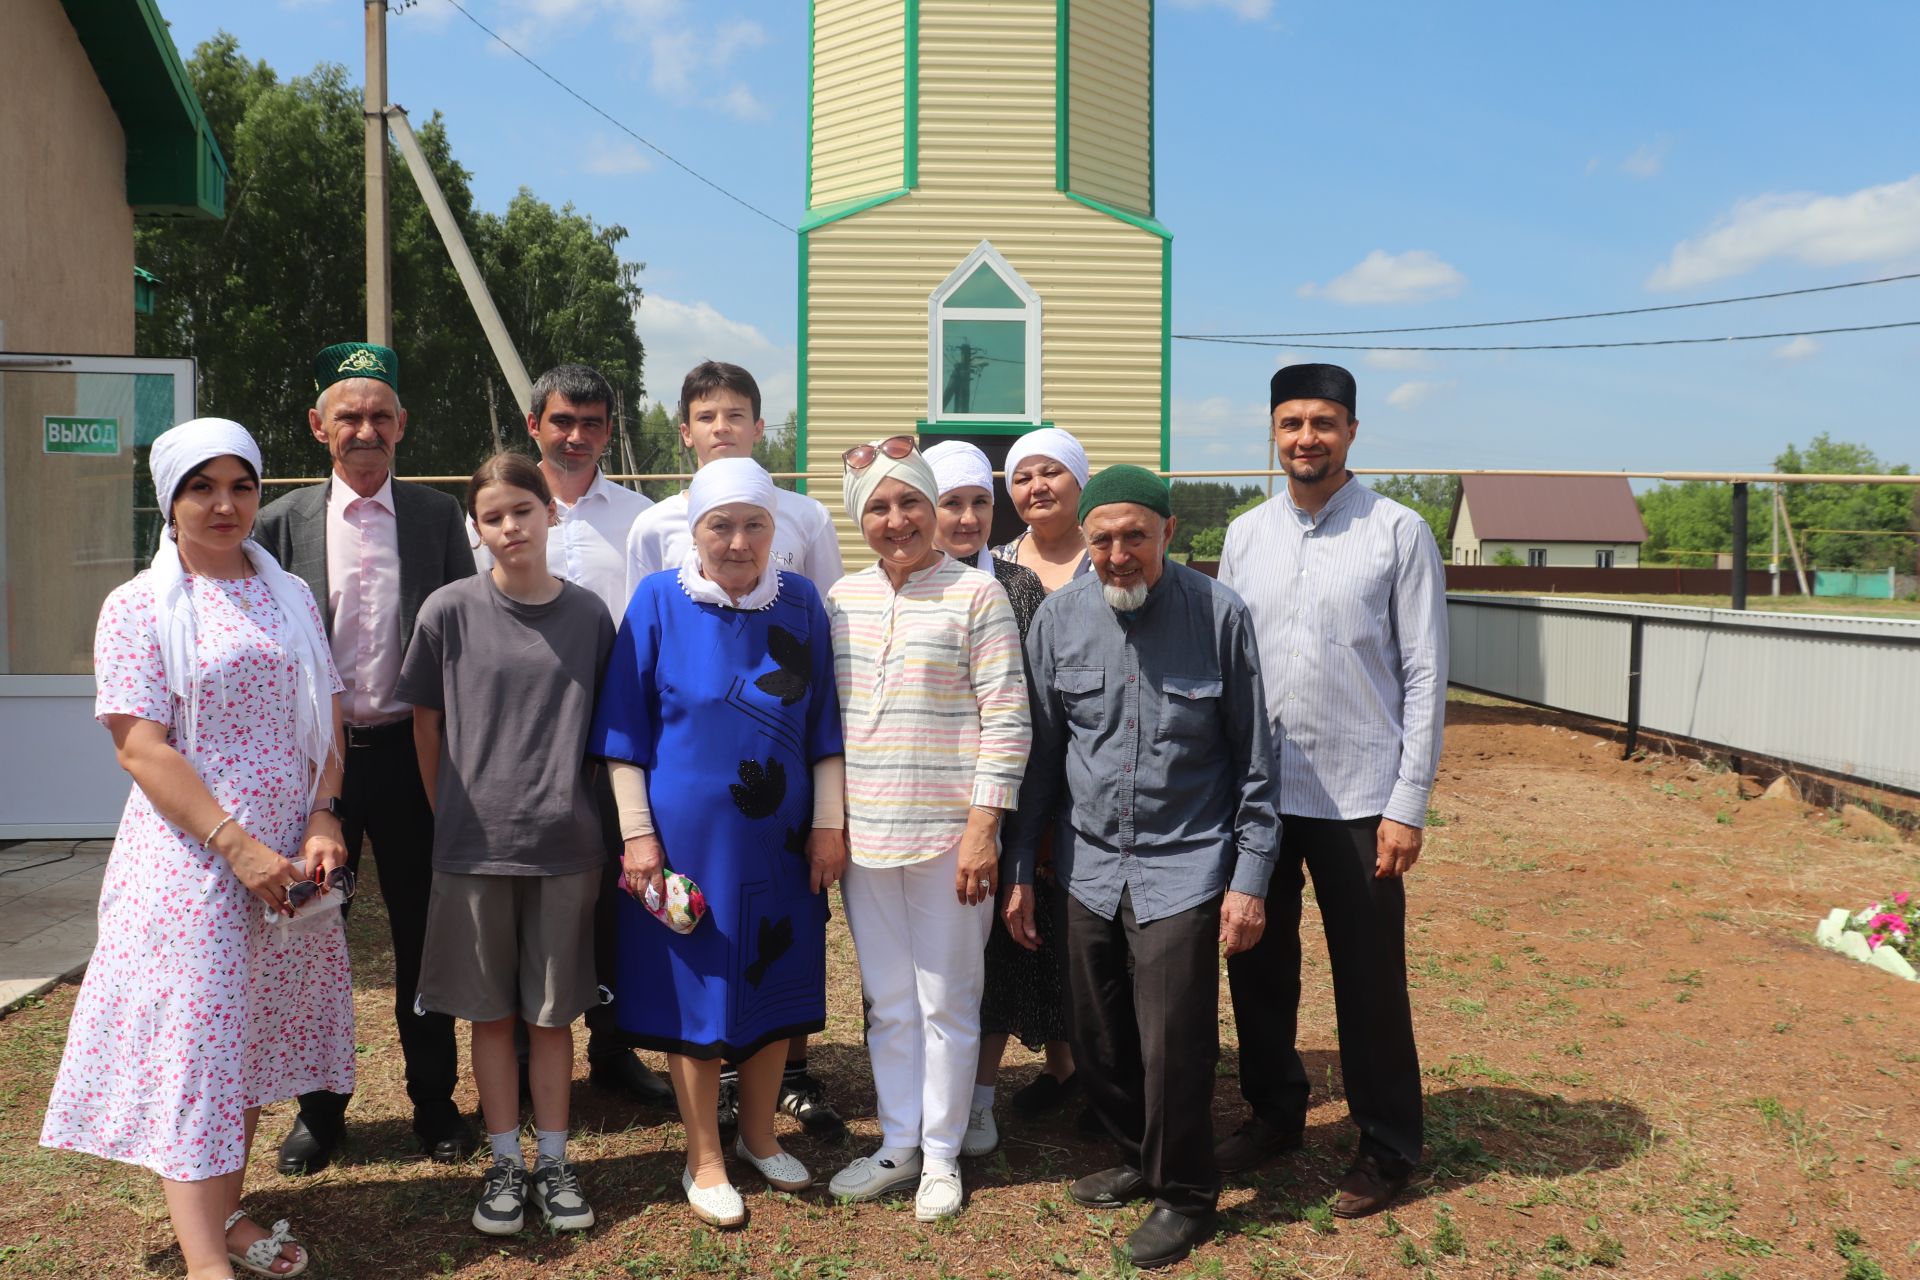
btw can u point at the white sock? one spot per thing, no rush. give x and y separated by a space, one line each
506 1146
552 1143
895 1156
933 1166
983 1096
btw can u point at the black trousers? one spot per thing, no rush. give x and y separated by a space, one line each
1366 925
382 798
1145 1025
604 1037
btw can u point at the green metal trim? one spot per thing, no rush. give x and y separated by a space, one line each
800 387
806 192
846 209
1151 225
922 427
146 290
174 165
1166 353
1060 57
910 160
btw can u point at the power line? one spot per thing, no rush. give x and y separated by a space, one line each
1561 346
1584 315
570 91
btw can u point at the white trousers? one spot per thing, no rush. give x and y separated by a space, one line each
923 963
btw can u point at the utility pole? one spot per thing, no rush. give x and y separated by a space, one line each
379 245
1739 545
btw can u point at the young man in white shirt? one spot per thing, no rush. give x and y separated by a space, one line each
720 418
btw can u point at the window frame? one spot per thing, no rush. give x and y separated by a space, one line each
1603 558
1536 557
938 313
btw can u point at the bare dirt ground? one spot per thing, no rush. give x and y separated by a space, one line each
1636 1063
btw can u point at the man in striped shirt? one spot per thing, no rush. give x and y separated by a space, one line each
1349 605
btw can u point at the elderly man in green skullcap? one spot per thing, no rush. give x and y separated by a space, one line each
1150 744
373 548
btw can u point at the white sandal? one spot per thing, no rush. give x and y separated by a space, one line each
782 1170
263 1253
719 1206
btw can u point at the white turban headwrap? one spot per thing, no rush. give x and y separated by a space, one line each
725 481
176 453
910 470
721 483
959 465
1050 442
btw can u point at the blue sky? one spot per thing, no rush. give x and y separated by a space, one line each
1327 166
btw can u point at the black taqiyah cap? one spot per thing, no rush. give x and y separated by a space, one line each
1313 382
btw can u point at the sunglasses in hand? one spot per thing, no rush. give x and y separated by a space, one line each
339 880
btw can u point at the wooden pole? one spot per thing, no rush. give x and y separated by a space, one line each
1793 547
379 243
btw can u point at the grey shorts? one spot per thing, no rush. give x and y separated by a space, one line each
510 946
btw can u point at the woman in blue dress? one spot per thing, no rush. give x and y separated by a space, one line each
720 722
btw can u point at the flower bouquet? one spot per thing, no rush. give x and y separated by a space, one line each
1883 935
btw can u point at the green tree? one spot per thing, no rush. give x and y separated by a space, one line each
1432 496
252 297
779 449
1884 513
1689 523
1205 504
1206 544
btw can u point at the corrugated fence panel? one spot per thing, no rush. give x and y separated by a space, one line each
859 99
1837 695
1109 113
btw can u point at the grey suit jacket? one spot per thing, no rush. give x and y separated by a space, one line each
433 544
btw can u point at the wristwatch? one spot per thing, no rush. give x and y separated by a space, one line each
334 807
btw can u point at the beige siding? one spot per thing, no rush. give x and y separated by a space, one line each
1466 547
859 99
1109 112
986 72
1565 555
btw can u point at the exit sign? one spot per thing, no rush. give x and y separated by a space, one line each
81 435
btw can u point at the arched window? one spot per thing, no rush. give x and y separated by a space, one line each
983 344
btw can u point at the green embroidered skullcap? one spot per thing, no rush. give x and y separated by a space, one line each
1126 483
345 360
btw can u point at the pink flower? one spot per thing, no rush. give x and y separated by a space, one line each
1874 940
1899 899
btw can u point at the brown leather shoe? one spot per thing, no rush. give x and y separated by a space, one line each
1369 1185
1252 1145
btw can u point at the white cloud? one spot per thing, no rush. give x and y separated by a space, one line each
679 335
1800 348
1399 361
1245 10
1382 277
1647 159
612 158
733 36
1219 428
1286 358
1409 395
1873 224
740 103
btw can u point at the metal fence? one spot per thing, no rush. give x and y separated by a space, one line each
1839 696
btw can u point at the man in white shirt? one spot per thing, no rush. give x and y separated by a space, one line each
1349 605
720 418
570 421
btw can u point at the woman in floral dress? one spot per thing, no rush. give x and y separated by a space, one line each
208 994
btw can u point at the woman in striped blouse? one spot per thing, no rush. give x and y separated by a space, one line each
933 700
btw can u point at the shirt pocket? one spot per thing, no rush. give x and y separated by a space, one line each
1083 692
1357 610
1190 707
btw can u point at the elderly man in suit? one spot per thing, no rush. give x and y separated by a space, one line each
373 548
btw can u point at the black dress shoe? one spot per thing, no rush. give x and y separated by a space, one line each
1166 1237
623 1072
305 1151
1370 1184
448 1140
1110 1188
1253 1144
1043 1094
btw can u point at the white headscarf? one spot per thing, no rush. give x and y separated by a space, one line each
176 453
911 470
720 483
1050 442
959 465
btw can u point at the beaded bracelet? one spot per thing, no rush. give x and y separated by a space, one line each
208 842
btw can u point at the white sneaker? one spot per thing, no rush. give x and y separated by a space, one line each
868 1178
983 1135
781 1170
939 1197
719 1205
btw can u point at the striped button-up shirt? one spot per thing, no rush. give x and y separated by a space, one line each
1149 749
933 701
1350 609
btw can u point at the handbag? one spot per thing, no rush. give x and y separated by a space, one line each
683 906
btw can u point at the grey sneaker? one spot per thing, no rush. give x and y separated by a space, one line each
502 1207
556 1193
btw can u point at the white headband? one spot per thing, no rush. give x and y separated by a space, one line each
959 465
725 481
1050 442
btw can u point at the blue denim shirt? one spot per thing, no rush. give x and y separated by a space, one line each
1150 749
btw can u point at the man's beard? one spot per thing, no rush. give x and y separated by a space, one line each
1312 470
1125 599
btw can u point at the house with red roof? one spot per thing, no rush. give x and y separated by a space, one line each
1563 521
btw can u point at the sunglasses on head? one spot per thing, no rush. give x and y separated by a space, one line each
339 880
861 456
